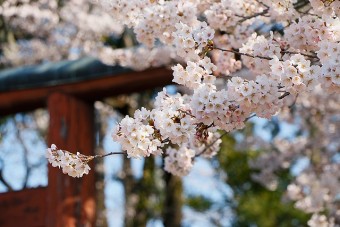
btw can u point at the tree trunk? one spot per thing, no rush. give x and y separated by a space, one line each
100 181
172 211
131 198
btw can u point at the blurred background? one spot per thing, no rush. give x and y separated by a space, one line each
244 185
223 191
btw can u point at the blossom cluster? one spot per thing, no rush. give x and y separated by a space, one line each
195 73
207 147
131 57
75 165
225 62
152 20
281 68
45 30
313 191
315 188
149 130
211 40
179 161
192 42
225 14
262 47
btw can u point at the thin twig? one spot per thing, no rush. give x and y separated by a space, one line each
211 144
185 112
244 18
300 4
108 154
2 179
250 117
267 58
248 55
284 95
292 52
261 3
26 154
306 13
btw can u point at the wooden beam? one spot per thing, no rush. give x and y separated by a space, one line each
23 208
90 90
70 201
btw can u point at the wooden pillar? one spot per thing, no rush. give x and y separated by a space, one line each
70 201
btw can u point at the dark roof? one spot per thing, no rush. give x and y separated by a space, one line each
52 73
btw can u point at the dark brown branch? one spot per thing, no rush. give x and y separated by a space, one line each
244 54
261 3
300 4
250 117
266 58
284 95
108 154
307 12
244 18
211 144
306 55
26 153
2 179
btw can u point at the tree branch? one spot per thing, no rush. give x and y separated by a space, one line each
284 95
211 144
26 152
293 52
108 154
261 3
264 57
244 54
221 136
2 179
244 18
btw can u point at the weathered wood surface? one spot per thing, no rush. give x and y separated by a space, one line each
70 201
23 208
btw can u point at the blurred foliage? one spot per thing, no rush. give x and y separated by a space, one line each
199 203
254 204
3 121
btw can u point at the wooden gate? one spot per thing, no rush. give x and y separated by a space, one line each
68 92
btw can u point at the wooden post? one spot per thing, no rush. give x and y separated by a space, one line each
23 208
70 201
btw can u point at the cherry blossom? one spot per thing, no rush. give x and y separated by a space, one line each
289 50
75 165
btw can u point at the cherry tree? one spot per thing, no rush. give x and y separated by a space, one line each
237 59
315 189
53 30
40 31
